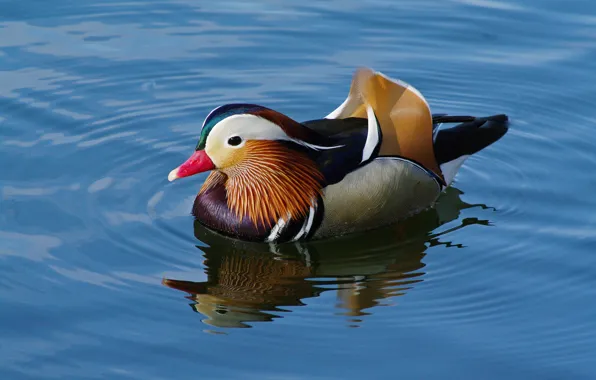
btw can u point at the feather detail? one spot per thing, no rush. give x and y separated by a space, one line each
273 182
403 114
215 178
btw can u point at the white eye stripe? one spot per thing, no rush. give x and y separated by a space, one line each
249 127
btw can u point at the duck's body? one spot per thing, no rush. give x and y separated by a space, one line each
378 158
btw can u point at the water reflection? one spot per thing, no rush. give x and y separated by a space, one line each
251 282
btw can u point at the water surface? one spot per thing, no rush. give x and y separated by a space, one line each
103 274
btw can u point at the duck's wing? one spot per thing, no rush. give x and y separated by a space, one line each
472 134
401 112
349 138
336 127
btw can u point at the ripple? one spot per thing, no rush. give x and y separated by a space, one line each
100 100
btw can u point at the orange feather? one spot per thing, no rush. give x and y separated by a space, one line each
271 182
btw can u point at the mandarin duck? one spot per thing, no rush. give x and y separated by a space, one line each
378 158
245 283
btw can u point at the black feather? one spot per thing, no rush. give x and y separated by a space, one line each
467 138
471 135
334 127
350 134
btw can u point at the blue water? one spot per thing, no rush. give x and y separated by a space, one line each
104 276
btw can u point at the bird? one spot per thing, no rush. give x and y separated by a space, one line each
380 157
247 283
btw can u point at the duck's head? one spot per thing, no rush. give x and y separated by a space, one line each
234 135
261 156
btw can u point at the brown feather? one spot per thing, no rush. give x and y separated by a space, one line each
272 182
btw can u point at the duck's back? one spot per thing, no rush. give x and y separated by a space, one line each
338 127
389 189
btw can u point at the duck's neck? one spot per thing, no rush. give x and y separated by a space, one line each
273 183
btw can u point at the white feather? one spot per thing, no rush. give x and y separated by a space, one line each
307 224
248 127
252 127
451 168
346 108
316 147
276 230
372 138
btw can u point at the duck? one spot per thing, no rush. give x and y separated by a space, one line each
380 157
250 282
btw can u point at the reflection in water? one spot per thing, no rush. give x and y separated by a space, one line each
250 282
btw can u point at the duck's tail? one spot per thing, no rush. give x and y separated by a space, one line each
453 145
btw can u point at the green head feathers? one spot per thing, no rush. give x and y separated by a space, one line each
220 113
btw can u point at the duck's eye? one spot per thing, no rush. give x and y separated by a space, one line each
234 140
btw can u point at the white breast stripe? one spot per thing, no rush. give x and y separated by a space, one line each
372 138
277 230
311 219
307 224
301 232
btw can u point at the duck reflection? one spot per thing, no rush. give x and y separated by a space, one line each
251 282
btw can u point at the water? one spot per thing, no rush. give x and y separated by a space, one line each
104 276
